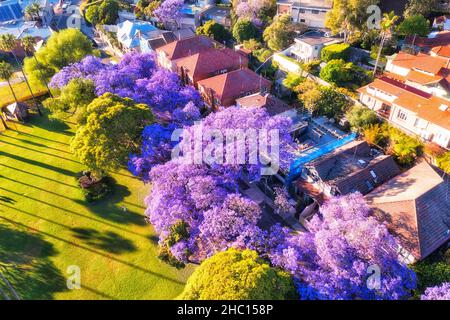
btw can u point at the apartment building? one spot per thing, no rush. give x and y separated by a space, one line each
309 12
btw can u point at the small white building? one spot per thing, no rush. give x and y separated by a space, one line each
309 45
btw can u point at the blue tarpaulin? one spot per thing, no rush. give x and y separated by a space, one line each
311 154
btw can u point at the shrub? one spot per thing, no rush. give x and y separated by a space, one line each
93 188
238 275
373 134
335 52
262 54
360 117
443 162
292 80
312 67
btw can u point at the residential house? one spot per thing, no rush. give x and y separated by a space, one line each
309 45
309 12
224 89
425 44
221 15
425 72
208 63
442 22
441 51
273 105
131 33
354 167
415 205
410 109
167 54
17 111
10 10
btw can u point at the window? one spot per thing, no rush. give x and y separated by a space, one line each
315 11
302 11
401 115
302 20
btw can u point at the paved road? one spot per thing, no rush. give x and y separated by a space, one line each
71 18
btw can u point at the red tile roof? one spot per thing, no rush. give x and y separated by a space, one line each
206 63
441 39
272 104
186 47
235 84
442 51
416 207
421 62
425 105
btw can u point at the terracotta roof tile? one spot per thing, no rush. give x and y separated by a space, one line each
186 47
272 104
235 83
416 206
205 63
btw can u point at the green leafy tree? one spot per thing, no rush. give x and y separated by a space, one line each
73 99
32 11
416 25
321 100
280 33
335 51
360 117
62 48
106 12
422 7
337 72
214 30
92 14
238 275
292 80
112 131
244 29
252 44
373 134
343 73
403 147
443 162
8 43
387 25
348 16
28 44
6 72
146 8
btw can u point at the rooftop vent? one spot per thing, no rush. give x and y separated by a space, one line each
443 107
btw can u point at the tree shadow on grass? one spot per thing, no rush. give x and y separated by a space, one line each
107 241
110 207
53 125
26 265
38 164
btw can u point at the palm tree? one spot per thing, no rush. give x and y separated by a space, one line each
8 43
6 72
32 11
387 24
28 46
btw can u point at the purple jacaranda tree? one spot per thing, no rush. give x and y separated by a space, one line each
169 11
137 77
346 254
234 138
440 292
87 68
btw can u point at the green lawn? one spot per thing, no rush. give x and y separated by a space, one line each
22 92
45 226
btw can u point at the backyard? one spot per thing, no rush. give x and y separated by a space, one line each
46 226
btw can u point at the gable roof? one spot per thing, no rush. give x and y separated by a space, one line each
421 62
424 105
272 104
187 47
207 62
416 207
234 84
127 32
442 51
437 39
353 167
